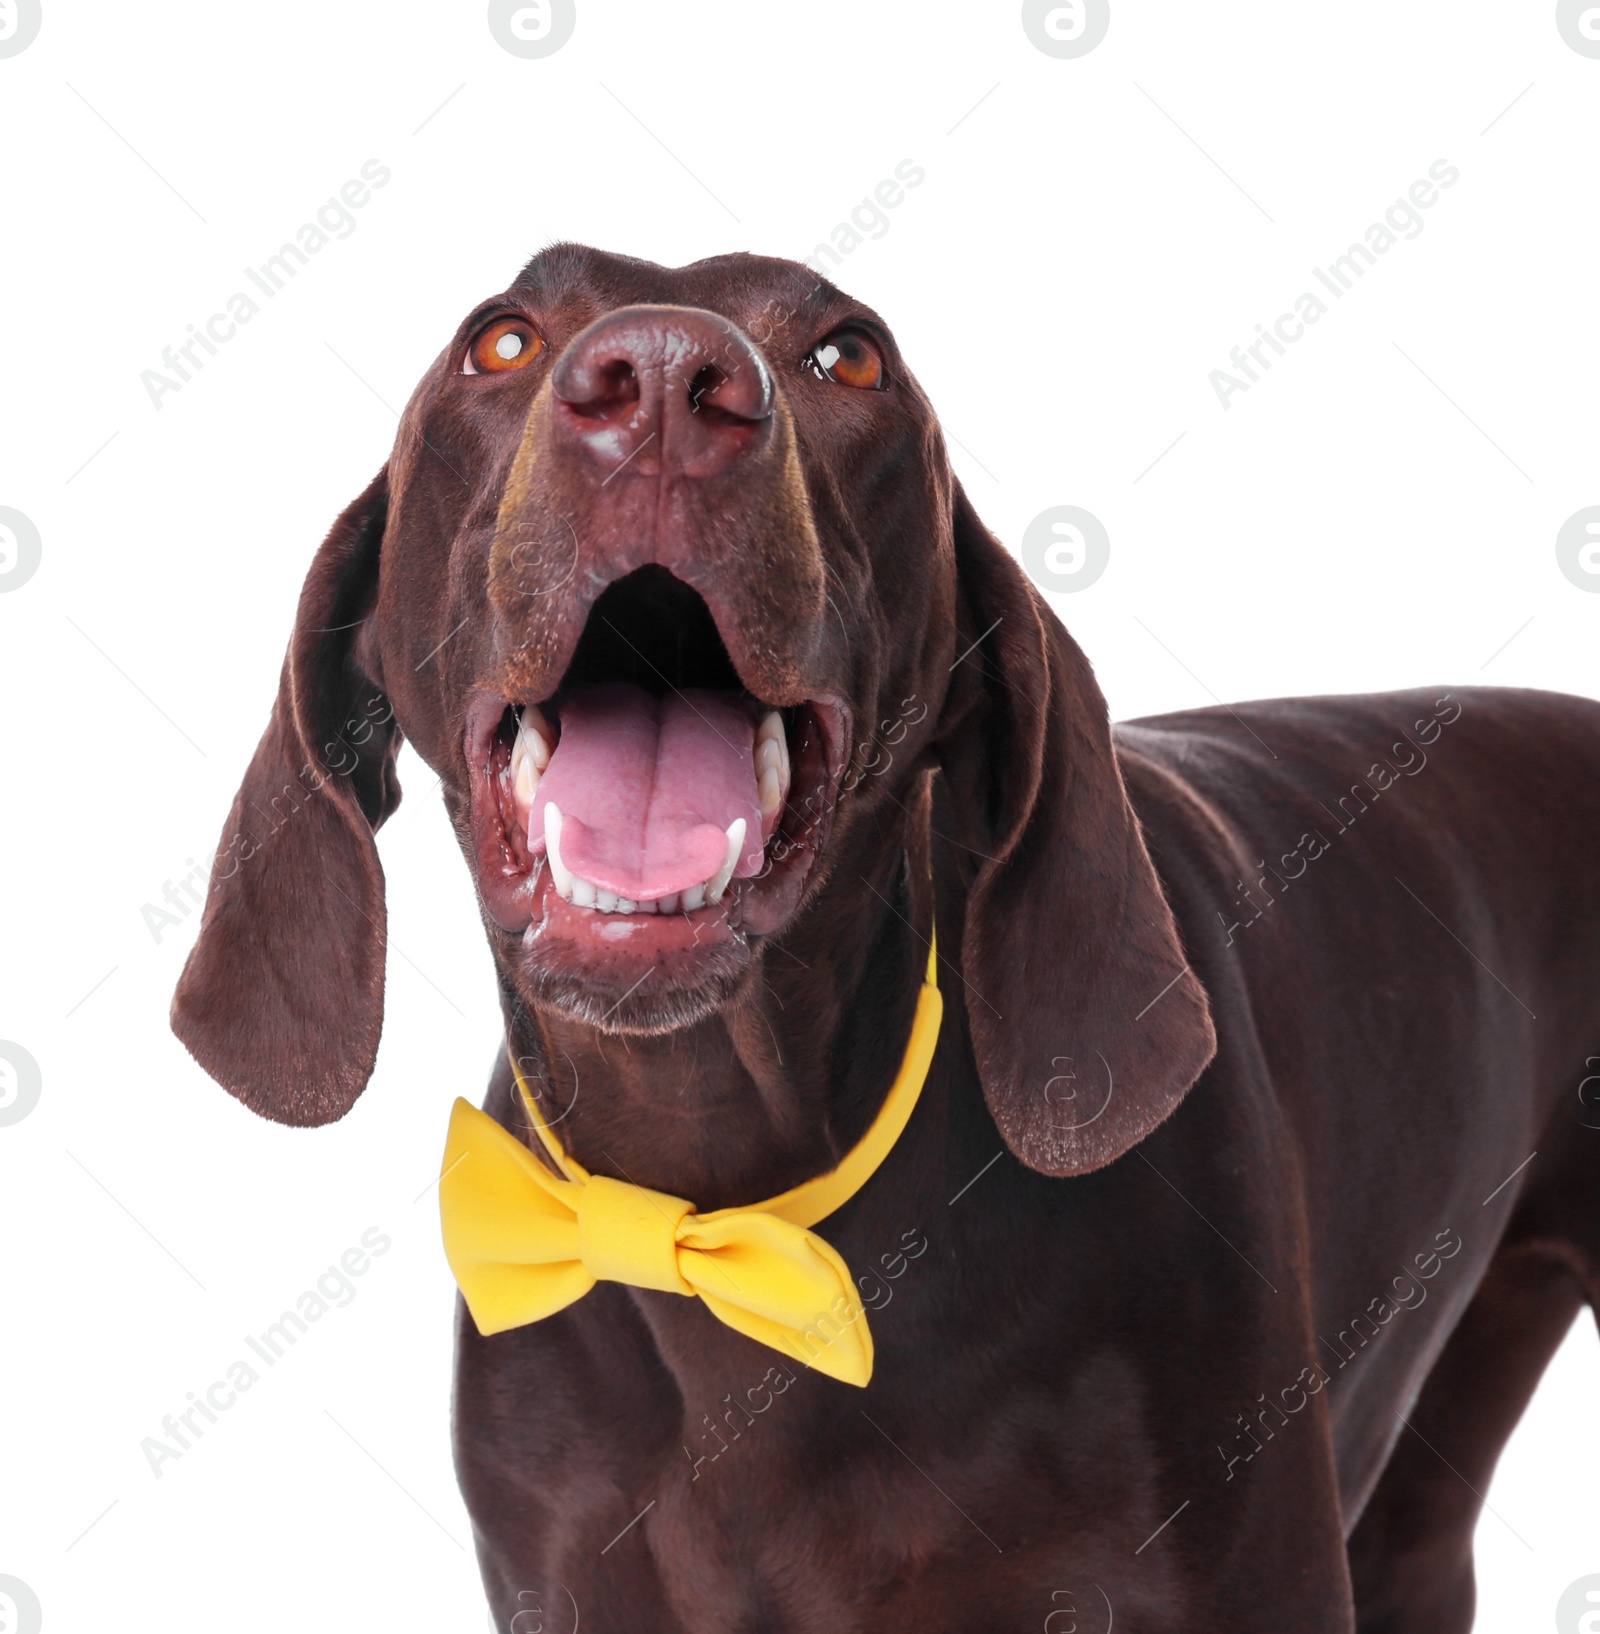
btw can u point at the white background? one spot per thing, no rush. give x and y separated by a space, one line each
1092 239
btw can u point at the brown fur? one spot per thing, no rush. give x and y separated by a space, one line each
1199 1131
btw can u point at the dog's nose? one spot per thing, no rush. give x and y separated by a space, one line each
661 390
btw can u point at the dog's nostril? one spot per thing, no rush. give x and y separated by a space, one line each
613 387
704 387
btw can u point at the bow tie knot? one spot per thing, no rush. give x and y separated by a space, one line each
630 1234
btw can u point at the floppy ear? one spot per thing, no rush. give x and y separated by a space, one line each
1068 939
281 1000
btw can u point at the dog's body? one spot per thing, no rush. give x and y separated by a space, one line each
1237 1318
1253 1021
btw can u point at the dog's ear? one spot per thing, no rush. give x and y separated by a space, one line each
281 1000
1087 1024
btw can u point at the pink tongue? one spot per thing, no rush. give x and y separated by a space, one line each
647 788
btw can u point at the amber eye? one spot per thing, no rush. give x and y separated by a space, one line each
848 358
507 343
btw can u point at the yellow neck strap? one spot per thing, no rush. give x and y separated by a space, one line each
524 1243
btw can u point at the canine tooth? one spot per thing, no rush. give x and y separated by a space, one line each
605 901
583 893
564 882
667 904
771 791
768 755
718 882
694 897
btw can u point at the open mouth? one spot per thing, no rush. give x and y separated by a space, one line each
652 808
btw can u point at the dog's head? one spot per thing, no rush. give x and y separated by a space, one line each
669 580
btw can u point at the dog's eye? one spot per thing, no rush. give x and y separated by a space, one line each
848 358
507 343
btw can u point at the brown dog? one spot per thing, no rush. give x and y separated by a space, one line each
1212 1270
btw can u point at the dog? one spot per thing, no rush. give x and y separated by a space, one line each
1253 1178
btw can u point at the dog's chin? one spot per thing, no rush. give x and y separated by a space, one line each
682 999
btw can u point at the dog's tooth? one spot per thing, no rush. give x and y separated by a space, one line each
583 893
605 901
524 776
694 897
667 904
718 882
771 791
535 731
564 882
530 754
771 731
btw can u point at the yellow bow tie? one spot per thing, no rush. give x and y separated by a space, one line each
524 1243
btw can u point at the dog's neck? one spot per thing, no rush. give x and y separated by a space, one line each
776 1087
